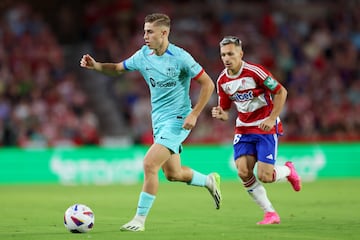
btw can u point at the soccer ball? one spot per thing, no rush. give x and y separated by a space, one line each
79 218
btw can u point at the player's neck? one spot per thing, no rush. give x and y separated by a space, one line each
235 71
162 49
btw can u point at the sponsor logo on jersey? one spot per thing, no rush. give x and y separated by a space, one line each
152 82
162 84
242 97
165 84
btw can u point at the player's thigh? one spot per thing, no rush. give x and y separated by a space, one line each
244 155
174 171
245 165
171 134
173 164
266 148
266 153
155 157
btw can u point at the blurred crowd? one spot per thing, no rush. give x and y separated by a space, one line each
40 102
314 52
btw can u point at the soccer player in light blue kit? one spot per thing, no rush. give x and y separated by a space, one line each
168 71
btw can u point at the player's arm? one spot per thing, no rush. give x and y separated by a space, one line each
279 99
219 113
107 68
206 90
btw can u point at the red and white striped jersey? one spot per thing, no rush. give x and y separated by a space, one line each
250 90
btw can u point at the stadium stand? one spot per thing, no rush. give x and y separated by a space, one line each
45 99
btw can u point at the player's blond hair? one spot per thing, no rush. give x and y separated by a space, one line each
158 19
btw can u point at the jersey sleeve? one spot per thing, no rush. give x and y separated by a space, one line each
223 99
193 68
266 79
272 84
132 63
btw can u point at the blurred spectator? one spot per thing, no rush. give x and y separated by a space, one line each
314 53
40 102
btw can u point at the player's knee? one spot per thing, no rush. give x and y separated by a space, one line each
150 167
244 174
171 176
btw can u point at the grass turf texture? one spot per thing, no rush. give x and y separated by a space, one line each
325 209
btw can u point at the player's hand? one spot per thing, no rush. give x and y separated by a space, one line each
218 113
267 125
190 122
87 62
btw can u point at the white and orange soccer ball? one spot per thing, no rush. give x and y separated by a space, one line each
79 218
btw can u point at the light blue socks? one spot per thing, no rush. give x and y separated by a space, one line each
198 179
145 202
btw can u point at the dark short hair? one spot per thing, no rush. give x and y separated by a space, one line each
158 19
230 39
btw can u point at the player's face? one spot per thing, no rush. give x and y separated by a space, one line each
231 55
154 36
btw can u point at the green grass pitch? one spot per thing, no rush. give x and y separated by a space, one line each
324 209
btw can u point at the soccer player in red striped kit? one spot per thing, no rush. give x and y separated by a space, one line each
259 98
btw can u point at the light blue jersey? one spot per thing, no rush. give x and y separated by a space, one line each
168 77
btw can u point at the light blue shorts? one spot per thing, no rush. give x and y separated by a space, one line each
171 134
262 146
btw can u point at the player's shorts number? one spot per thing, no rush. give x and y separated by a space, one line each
236 138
